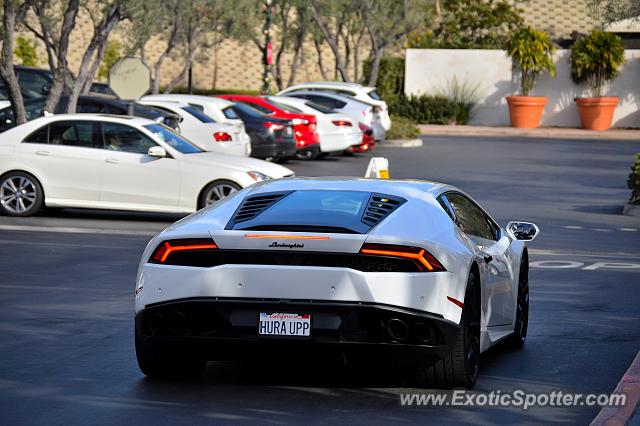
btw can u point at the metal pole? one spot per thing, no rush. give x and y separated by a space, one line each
266 48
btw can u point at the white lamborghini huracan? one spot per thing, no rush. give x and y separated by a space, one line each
405 271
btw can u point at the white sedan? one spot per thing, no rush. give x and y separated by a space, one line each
368 95
203 130
337 131
116 162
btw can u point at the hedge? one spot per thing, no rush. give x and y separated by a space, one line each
428 109
402 128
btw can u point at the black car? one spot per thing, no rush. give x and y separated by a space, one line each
271 138
36 82
95 104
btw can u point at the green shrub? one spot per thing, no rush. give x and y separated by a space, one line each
431 109
532 54
596 59
402 128
390 77
211 92
26 51
634 181
112 54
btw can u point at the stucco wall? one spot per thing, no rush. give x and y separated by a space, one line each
429 71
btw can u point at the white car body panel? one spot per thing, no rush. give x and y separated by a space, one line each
354 90
424 292
100 178
202 133
332 137
358 111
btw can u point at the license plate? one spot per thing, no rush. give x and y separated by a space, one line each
289 131
282 324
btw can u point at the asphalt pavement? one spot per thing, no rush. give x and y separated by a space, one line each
66 310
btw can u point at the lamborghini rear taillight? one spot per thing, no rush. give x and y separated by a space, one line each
165 249
422 258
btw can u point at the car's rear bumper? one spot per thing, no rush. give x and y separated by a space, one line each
227 329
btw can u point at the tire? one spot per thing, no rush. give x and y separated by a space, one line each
166 364
216 191
459 369
308 154
517 339
283 160
20 194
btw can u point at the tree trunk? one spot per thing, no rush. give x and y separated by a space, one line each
94 68
318 46
6 63
192 50
100 35
332 41
375 66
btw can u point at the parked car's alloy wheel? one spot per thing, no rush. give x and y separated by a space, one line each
20 194
460 367
522 307
216 191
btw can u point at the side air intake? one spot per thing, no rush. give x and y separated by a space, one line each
253 205
379 207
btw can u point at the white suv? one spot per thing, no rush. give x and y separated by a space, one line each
365 94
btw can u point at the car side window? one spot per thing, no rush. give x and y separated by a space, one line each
120 137
470 218
39 136
74 133
260 108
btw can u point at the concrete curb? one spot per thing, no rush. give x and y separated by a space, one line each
402 143
629 385
544 132
631 210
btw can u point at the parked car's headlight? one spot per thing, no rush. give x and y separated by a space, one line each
258 177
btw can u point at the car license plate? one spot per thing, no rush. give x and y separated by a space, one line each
284 324
289 130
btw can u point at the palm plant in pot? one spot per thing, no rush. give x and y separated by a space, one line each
596 59
532 54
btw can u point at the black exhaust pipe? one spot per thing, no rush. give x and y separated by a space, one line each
397 329
423 333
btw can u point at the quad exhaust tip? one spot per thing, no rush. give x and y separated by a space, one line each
397 329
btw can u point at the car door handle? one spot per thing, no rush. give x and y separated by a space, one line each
42 152
112 160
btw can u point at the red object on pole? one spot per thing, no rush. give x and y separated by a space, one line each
269 53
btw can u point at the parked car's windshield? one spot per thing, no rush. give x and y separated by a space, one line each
174 140
198 114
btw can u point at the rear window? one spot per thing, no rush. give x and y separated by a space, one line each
230 113
323 109
286 108
374 95
198 114
315 211
244 110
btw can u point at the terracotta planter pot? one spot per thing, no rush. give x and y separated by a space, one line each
526 111
597 113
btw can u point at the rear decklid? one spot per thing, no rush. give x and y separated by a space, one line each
306 220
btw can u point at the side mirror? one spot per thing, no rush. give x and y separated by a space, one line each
157 152
523 231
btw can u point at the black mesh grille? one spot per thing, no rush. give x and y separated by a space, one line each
256 204
359 262
379 207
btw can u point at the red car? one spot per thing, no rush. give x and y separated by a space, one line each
368 141
304 125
